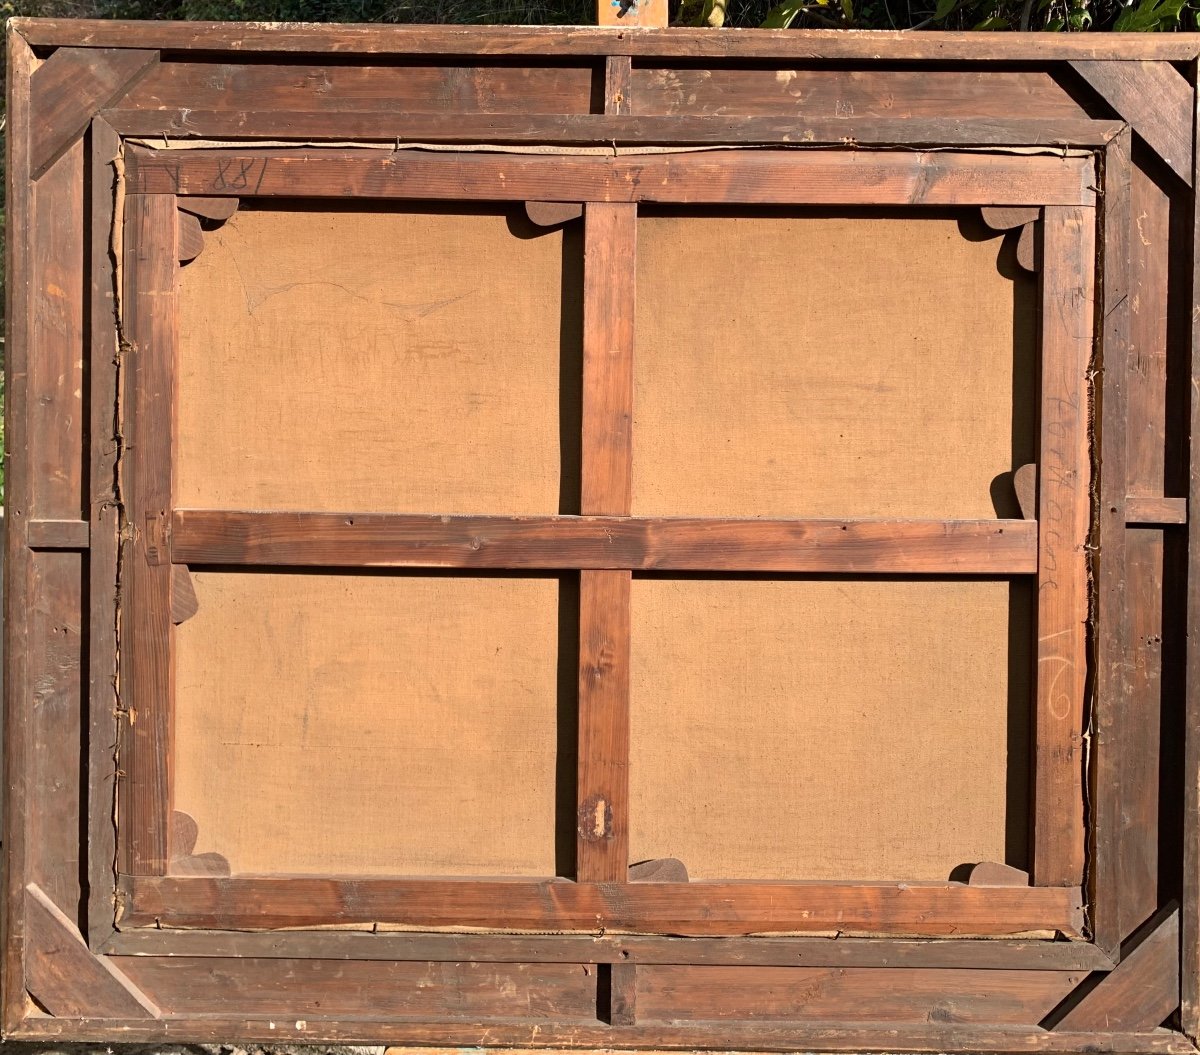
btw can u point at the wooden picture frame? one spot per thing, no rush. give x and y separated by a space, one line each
125 154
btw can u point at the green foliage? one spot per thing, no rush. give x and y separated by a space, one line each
1149 16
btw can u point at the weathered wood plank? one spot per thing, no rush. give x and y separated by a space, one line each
610 243
69 87
602 829
699 909
1142 991
316 989
150 325
738 1038
755 177
1063 519
55 756
65 978
617 127
1111 712
1154 351
799 994
1153 509
104 514
1001 547
602 790
1155 99
618 85
56 340
997 954
18 731
679 42
1189 1011
807 92
340 88
50 487
622 994
59 534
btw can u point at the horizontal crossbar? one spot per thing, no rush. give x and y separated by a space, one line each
375 540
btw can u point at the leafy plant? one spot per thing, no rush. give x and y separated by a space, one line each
1149 16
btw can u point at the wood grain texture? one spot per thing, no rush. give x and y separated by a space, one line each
1142 991
800 994
104 514
1155 99
540 1037
1113 722
319 989
150 325
49 487
17 557
698 909
1154 509
1063 518
622 994
55 763
56 339
755 177
602 831
808 44
1189 1011
602 790
610 243
809 93
65 978
997 954
58 534
69 87
618 85
1001 547
1156 345
615 127
353 89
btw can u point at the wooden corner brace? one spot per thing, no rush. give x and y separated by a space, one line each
64 977
1154 98
1141 992
70 87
